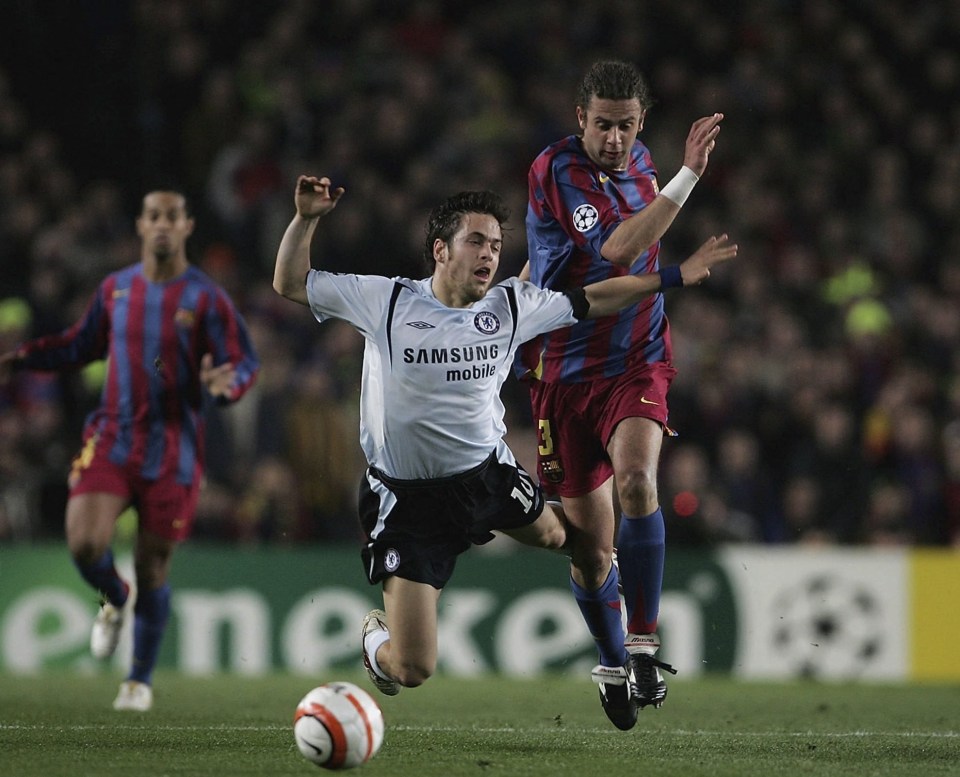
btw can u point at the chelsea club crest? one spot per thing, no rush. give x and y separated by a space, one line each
486 322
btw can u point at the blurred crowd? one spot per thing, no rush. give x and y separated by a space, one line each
818 396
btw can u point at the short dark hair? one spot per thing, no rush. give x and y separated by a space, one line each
446 217
167 189
611 79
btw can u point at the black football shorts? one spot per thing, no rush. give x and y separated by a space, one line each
416 528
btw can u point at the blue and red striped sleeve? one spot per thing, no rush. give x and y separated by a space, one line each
80 344
228 340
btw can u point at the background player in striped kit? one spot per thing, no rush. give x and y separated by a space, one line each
173 341
599 388
440 476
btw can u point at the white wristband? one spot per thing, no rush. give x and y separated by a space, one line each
680 186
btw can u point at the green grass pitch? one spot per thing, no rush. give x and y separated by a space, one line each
61 724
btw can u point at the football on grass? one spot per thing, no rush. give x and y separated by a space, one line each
338 725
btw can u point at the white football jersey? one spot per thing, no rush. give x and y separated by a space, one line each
430 398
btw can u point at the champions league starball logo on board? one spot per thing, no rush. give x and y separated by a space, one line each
584 217
487 323
828 626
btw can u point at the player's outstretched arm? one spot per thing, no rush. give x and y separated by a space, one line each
609 296
637 233
314 197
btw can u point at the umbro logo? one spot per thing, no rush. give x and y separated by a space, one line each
420 325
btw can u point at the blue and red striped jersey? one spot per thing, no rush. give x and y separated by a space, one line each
573 207
153 335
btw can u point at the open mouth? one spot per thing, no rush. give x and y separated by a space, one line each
482 274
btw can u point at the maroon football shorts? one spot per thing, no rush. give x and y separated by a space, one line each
164 506
575 422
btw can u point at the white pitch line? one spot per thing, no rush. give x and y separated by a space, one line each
684 732
510 730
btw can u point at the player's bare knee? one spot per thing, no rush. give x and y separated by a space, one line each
637 490
410 675
553 529
86 550
555 538
593 565
152 565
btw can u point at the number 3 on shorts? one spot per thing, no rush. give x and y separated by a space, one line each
545 447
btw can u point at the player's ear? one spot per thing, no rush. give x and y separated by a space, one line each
581 117
439 251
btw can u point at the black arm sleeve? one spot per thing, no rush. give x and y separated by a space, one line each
581 305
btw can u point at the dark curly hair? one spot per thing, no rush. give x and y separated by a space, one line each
445 219
611 79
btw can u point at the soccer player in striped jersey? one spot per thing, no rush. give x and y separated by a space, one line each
173 342
599 387
440 476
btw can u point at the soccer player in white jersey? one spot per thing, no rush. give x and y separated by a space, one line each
440 477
